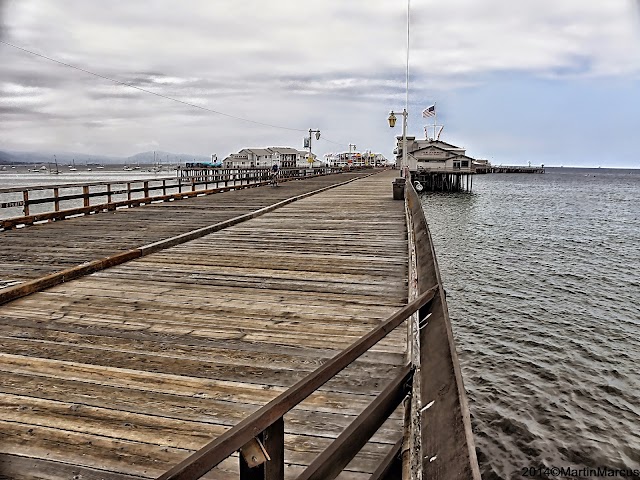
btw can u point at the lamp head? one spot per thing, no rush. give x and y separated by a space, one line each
392 119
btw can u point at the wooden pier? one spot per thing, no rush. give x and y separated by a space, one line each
509 169
283 314
443 181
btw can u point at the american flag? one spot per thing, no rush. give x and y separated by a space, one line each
429 111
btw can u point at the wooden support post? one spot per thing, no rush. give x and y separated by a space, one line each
85 195
145 186
273 469
164 187
25 198
193 184
56 199
179 184
109 196
128 191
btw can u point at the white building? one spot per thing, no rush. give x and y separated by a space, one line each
263 158
355 159
434 156
285 156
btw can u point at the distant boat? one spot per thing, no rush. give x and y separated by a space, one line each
57 170
72 167
88 169
100 167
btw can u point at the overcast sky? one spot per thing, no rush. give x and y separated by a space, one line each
546 81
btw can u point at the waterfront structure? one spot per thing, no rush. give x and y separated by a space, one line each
355 159
284 157
434 155
482 165
436 165
249 158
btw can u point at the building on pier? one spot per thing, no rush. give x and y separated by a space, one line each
437 165
355 159
284 157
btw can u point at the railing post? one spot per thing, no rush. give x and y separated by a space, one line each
25 198
85 195
164 187
146 189
273 469
109 197
128 191
56 201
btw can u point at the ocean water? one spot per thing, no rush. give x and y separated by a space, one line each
542 274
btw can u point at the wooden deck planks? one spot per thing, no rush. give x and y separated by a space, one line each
129 369
42 249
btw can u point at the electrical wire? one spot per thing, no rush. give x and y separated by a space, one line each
332 141
343 144
151 92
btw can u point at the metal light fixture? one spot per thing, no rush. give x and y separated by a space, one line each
392 119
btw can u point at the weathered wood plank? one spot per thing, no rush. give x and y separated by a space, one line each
130 369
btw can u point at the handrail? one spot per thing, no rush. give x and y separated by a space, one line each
448 447
214 180
330 463
205 459
82 184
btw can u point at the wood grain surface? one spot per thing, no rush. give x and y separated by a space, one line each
123 373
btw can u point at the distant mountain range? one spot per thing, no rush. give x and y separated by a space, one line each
8 157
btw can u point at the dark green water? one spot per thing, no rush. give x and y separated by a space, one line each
543 280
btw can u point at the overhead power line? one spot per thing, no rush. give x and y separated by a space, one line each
151 92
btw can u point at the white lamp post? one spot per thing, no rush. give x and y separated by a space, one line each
350 159
311 132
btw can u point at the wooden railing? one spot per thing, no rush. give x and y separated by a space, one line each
56 202
447 445
260 437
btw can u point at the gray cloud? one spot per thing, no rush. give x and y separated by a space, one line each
2 20
336 65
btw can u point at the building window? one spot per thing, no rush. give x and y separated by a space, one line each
465 163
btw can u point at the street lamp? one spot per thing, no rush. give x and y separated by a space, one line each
392 123
307 142
350 159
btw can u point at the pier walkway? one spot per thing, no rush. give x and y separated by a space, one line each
123 373
46 248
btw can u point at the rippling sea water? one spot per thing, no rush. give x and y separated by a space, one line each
542 274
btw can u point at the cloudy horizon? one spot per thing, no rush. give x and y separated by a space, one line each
513 81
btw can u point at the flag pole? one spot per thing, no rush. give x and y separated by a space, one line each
435 119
